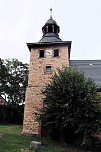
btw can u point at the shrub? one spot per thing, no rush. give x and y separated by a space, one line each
71 106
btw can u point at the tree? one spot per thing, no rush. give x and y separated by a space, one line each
71 105
16 80
3 76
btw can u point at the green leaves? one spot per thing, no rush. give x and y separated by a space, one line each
14 77
71 101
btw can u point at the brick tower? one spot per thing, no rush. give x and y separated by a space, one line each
46 56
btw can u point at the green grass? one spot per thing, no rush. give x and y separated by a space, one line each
12 141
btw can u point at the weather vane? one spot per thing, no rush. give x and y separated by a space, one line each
51 13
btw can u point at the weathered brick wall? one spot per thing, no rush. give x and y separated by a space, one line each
36 80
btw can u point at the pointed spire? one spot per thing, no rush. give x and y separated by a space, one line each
50 13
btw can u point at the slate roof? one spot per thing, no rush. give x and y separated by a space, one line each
50 21
91 68
50 37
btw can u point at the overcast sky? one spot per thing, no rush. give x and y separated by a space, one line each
21 22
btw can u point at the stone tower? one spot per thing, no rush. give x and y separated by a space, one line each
46 56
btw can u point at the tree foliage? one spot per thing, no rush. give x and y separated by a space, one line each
71 105
3 76
16 74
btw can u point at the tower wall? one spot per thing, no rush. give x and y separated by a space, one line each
36 80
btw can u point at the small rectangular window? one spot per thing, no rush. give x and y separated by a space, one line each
48 69
42 53
56 52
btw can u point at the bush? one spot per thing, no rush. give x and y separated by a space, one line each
71 106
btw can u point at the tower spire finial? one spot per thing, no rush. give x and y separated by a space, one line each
50 12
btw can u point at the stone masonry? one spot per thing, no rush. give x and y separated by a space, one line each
36 80
38 77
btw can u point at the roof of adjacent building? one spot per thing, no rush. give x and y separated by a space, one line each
91 68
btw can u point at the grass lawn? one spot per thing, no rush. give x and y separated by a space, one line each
13 141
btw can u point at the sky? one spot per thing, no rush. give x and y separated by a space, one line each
21 22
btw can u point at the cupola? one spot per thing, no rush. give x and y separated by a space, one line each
50 30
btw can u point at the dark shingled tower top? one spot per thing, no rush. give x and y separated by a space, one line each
50 36
50 31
